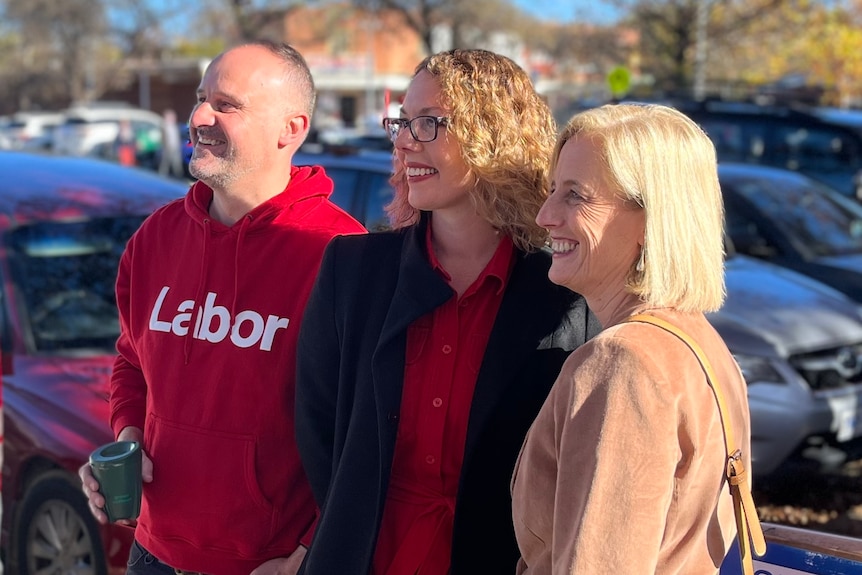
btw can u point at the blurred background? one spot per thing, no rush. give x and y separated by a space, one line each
94 100
149 54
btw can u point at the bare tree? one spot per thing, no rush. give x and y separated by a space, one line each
669 34
54 49
74 50
255 20
137 26
470 22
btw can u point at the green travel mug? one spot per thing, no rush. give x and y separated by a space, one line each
117 468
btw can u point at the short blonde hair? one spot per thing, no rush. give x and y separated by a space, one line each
660 159
505 133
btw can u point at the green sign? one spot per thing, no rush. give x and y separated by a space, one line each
619 80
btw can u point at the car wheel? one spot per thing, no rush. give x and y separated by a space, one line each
54 530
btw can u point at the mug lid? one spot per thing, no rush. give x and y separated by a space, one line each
114 451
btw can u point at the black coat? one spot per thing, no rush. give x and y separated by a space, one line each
350 373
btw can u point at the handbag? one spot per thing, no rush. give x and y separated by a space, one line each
748 531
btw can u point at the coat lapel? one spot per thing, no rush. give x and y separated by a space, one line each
418 291
531 308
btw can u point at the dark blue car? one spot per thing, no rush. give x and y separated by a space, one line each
187 147
788 219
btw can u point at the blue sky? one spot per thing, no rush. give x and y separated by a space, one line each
568 10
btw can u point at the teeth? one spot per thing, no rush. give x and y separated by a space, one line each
562 247
412 172
208 141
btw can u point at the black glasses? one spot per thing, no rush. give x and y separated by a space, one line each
422 128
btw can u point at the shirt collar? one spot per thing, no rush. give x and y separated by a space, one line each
498 268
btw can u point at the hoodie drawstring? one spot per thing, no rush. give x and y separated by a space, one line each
243 227
197 307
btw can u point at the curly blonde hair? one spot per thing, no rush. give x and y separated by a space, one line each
506 134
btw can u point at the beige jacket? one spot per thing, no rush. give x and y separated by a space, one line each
623 469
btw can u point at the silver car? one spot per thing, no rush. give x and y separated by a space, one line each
799 344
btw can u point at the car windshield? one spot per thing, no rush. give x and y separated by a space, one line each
821 219
66 272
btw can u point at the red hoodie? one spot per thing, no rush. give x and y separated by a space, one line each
209 319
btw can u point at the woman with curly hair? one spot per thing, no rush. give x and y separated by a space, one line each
426 351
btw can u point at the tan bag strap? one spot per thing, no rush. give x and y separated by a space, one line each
749 533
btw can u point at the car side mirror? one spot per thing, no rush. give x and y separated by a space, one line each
857 185
752 244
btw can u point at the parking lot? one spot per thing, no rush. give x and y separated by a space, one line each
827 500
798 340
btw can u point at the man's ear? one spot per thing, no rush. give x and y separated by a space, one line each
295 129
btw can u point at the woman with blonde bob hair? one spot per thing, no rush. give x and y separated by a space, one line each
623 470
426 351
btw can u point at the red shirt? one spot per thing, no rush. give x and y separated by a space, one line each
444 352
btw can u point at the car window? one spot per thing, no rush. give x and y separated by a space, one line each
71 121
379 195
815 149
66 273
745 233
808 213
735 139
345 186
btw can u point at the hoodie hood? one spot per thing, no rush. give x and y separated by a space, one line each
308 186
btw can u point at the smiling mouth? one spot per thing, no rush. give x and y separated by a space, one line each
209 141
418 172
562 246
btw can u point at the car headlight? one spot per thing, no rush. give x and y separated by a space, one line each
757 369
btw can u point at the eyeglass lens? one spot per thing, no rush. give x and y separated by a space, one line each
422 128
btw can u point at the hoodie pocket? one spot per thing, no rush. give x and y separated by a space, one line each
204 486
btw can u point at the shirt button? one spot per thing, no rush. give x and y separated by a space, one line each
437 402
447 349
430 459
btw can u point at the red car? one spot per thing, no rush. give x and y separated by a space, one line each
64 223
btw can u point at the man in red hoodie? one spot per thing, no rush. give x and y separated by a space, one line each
211 291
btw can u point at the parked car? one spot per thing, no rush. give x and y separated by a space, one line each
798 342
793 221
32 130
63 224
823 145
5 136
361 182
187 147
92 130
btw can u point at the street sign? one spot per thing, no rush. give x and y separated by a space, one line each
619 80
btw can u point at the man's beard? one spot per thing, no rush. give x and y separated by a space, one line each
214 171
